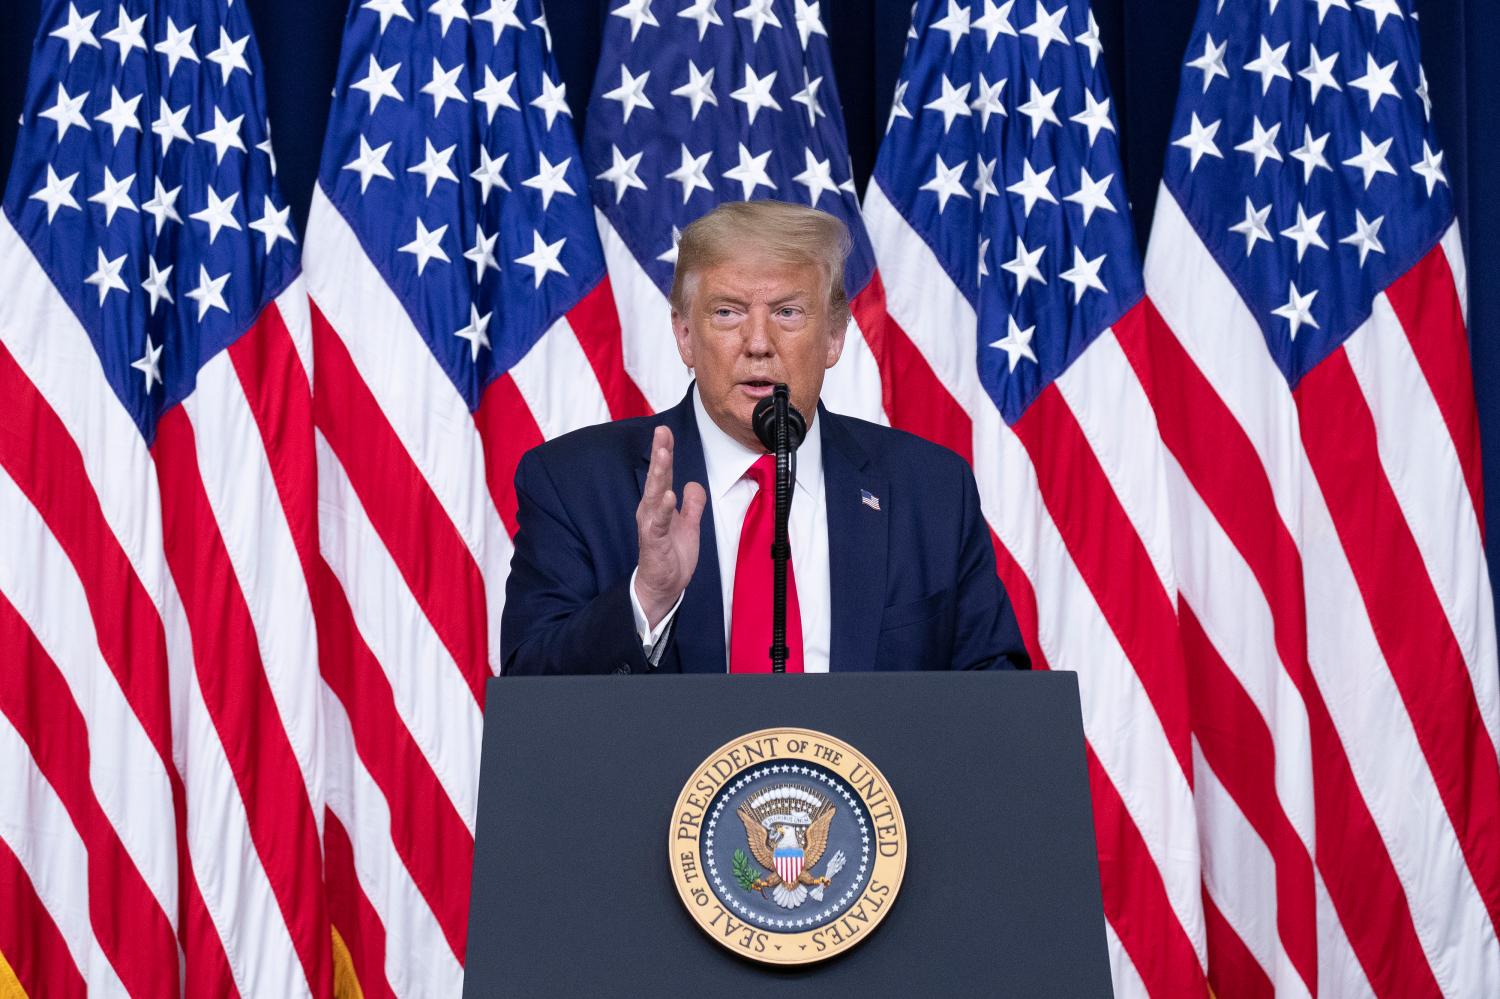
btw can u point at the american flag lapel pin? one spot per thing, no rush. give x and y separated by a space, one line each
869 499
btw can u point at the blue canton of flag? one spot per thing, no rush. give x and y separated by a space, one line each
1001 153
143 182
705 102
450 152
1299 132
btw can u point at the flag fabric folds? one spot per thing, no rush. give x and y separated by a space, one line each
162 751
1307 363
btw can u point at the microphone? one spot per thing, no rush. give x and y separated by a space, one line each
781 429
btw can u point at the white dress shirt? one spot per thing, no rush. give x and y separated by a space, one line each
729 495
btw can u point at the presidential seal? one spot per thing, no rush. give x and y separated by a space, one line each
787 846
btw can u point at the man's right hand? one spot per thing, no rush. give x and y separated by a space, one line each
668 537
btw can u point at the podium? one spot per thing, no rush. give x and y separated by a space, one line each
572 893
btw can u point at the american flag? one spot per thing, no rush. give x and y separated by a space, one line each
460 315
700 102
1307 363
159 722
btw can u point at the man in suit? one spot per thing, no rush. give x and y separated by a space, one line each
891 564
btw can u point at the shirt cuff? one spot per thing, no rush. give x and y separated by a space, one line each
651 637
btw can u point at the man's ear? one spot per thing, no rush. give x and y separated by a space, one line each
683 333
839 329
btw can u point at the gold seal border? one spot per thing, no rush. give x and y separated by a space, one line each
689 873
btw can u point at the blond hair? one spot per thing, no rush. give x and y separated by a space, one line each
784 232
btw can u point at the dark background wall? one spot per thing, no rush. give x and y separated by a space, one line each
1143 48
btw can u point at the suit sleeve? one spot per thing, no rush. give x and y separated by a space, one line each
556 620
987 635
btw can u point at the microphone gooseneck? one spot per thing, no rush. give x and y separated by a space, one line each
780 429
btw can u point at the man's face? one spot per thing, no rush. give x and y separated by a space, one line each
749 324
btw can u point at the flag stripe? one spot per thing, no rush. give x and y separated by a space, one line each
508 429
235 690
1022 598
29 938
206 970
597 326
1232 969
352 915
436 565
1413 633
649 355
427 832
558 383
127 920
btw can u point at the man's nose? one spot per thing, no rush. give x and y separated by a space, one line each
758 333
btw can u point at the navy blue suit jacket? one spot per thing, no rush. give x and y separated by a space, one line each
913 583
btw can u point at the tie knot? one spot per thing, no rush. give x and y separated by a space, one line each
763 472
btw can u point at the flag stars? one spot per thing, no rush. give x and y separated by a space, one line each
955 22
553 100
809 17
550 178
1038 107
149 363
637 12
1092 194
106 276
898 106
121 114
1319 72
210 293
219 214
224 136
1032 187
699 89
370 163
482 254
756 92
156 286
448 11
1298 310
1084 274
379 82
475 333
1310 153
1262 144
426 246
1325 5
1199 141
1305 232
751 172
953 103
1430 168
994 22
387 9
496 94
1023 266
543 258
1422 93
1371 159
1094 117
1047 27
163 205
817 177
57 193
499 15
114 195
1253 228
622 172
692 174
1365 237
127 34
758 14
984 181
443 87
986 101
1016 343
177 46
230 55
67 111
1382 9
1270 64
488 174
77 32
631 93
169 124
1090 40
1211 62
434 166
946 182
274 224
808 97
702 13
1376 83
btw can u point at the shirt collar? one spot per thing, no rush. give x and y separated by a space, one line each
727 460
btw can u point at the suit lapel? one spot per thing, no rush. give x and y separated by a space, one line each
698 641
858 542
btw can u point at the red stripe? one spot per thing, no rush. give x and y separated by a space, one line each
427 831
597 326
1111 559
1425 300
915 399
352 913
131 927
1221 463
1420 649
424 543
29 938
1238 745
206 966
507 430
1022 600
1135 897
1233 971
240 702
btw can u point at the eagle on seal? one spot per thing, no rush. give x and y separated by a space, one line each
787 829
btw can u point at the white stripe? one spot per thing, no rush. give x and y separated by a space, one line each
429 690
418 960
852 386
125 772
1217 584
1071 627
1106 398
1127 980
649 349
1239 873
1229 349
292 306
558 383
423 407
1453 249
242 493
1422 466
37 828
1339 970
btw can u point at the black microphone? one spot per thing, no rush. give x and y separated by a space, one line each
781 429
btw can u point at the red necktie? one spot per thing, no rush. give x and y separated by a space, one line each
750 621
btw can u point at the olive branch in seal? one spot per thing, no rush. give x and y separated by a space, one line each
744 871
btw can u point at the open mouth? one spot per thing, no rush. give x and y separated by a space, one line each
758 387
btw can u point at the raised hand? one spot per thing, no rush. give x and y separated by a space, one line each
668 537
